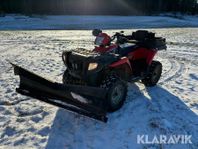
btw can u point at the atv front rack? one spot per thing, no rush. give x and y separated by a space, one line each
75 98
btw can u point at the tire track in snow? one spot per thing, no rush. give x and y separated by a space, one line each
177 69
165 73
185 44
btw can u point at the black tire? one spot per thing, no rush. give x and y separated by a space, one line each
117 92
154 74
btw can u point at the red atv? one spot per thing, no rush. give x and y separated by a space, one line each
96 81
112 65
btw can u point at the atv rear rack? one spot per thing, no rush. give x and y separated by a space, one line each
75 98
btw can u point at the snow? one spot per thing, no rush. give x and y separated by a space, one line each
89 22
170 108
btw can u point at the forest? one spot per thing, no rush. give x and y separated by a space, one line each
98 7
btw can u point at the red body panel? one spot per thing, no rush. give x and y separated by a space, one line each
140 53
136 54
102 49
124 60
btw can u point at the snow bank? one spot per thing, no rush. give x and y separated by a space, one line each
19 22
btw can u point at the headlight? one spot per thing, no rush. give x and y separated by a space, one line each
92 66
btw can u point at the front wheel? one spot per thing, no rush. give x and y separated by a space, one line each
154 74
117 92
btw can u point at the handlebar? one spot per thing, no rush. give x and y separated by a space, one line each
117 35
122 38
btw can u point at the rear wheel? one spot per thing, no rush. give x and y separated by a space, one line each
117 91
154 75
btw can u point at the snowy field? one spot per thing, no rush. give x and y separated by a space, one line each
20 22
170 108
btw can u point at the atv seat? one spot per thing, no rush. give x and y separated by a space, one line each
125 50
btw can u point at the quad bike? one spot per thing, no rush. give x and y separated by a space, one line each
95 81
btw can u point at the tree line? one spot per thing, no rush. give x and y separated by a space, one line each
98 7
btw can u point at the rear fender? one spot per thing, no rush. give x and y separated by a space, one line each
151 56
143 53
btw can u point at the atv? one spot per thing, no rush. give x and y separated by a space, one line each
95 81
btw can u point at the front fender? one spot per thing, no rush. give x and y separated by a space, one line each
122 61
122 68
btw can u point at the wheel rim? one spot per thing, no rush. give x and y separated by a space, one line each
117 95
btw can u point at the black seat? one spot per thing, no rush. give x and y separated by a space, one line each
126 50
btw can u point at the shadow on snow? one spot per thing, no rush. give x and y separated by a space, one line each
151 111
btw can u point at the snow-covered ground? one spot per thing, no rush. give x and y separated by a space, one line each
170 108
89 22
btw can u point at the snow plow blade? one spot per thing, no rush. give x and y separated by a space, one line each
75 98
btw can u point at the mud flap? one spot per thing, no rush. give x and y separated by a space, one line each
75 98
